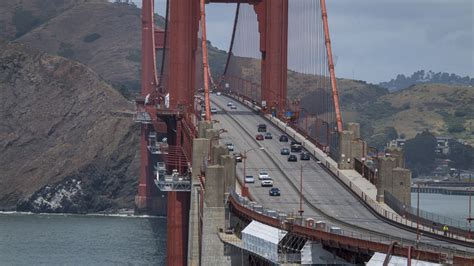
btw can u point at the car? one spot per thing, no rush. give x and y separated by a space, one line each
230 104
283 138
213 110
218 93
292 158
296 146
268 135
285 151
304 156
249 179
259 137
274 191
262 128
233 107
263 175
203 114
230 146
266 183
238 157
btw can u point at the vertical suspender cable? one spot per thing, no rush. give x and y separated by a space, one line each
231 46
164 45
204 61
331 66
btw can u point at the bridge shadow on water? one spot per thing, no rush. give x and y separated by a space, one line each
158 228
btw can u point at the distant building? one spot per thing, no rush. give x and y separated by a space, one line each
396 143
442 146
442 168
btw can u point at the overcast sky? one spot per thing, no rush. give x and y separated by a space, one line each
374 40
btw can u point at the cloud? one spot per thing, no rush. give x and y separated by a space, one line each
374 40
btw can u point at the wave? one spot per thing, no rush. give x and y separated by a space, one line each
122 215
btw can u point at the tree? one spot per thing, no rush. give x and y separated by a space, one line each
461 156
391 133
420 152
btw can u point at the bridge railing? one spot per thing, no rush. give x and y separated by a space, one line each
251 210
433 220
380 209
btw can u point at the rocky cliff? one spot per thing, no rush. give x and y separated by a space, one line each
64 144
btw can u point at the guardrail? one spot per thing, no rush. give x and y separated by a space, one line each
331 167
250 210
435 221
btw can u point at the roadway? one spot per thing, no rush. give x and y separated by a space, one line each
324 197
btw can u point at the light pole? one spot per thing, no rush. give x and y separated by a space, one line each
301 211
418 214
244 158
469 219
328 140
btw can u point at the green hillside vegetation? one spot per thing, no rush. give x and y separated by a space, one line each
445 110
106 37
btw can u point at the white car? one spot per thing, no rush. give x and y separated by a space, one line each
230 146
266 183
263 175
249 179
218 93
213 110
230 104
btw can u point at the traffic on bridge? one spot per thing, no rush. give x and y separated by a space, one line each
251 177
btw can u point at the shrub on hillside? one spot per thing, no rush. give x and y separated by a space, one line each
24 21
65 50
134 56
456 128
92 37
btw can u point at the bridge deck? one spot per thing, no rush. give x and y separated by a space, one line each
325 198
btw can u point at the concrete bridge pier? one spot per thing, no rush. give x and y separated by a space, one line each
207 212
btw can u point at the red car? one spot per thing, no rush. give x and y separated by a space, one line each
259 137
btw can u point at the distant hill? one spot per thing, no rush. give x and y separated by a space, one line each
104 36
63 148
422 77
18 17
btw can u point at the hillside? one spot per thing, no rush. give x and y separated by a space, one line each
104 36
443 109
422 77
19 17
101 35
62 149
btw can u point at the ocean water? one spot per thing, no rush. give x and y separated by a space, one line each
32 239
453 206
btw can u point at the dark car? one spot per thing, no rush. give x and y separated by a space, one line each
285 151
296 146
304 156
283 138
292 158
259 137
274 191
268 135
262 128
